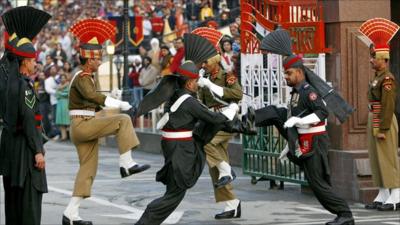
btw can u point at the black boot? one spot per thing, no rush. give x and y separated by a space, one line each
230 214
246 126
66 221
225 180
389 207
342 220
134 169
373 205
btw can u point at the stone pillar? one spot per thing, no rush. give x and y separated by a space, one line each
348 68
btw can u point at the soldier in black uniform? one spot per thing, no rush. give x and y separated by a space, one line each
307 115
22 162
305 129
182 149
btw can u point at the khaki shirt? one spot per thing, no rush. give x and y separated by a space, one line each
383 89
83 94
232 90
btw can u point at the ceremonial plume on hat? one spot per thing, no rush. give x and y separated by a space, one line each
277 42
380 31
22 25
197 51
212 35
92 33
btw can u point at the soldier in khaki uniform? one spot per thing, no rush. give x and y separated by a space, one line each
226 88
382 122
86 129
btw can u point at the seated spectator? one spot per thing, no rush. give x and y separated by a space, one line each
155 53
180 54
59 56
148 75
206 11
224 19
227 54
157 24
234 29
165 60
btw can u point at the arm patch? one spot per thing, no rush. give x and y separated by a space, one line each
312 96
387 84
231 79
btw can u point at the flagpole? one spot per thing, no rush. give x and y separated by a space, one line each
125 89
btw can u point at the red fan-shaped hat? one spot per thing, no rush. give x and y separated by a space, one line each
212 35
92 33
380 31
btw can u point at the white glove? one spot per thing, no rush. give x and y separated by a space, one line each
282 157
112 102
310 119
231 111
204 82
292 121
125 106
115 103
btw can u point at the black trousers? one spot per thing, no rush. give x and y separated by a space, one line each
23 206
319 181
159 209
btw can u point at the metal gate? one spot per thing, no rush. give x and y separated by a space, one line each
265 86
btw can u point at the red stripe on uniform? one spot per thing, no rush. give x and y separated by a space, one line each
38 117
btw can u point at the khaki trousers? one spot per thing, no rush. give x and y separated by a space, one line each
216 152
383 156
85 134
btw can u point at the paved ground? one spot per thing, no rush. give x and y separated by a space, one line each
121 201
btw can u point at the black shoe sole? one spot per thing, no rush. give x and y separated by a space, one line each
125 174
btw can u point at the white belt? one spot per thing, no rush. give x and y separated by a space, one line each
79 112
311 130
177 134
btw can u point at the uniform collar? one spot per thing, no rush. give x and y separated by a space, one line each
299 86
379 73
184 91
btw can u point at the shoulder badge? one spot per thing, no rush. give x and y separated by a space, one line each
306 86
231 79
387 83
312 96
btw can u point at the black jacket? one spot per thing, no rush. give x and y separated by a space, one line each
186 157
18 149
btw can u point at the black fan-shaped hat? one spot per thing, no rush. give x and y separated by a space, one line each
25 21
277 42
198 49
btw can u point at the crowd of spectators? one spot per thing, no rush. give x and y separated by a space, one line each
160 53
